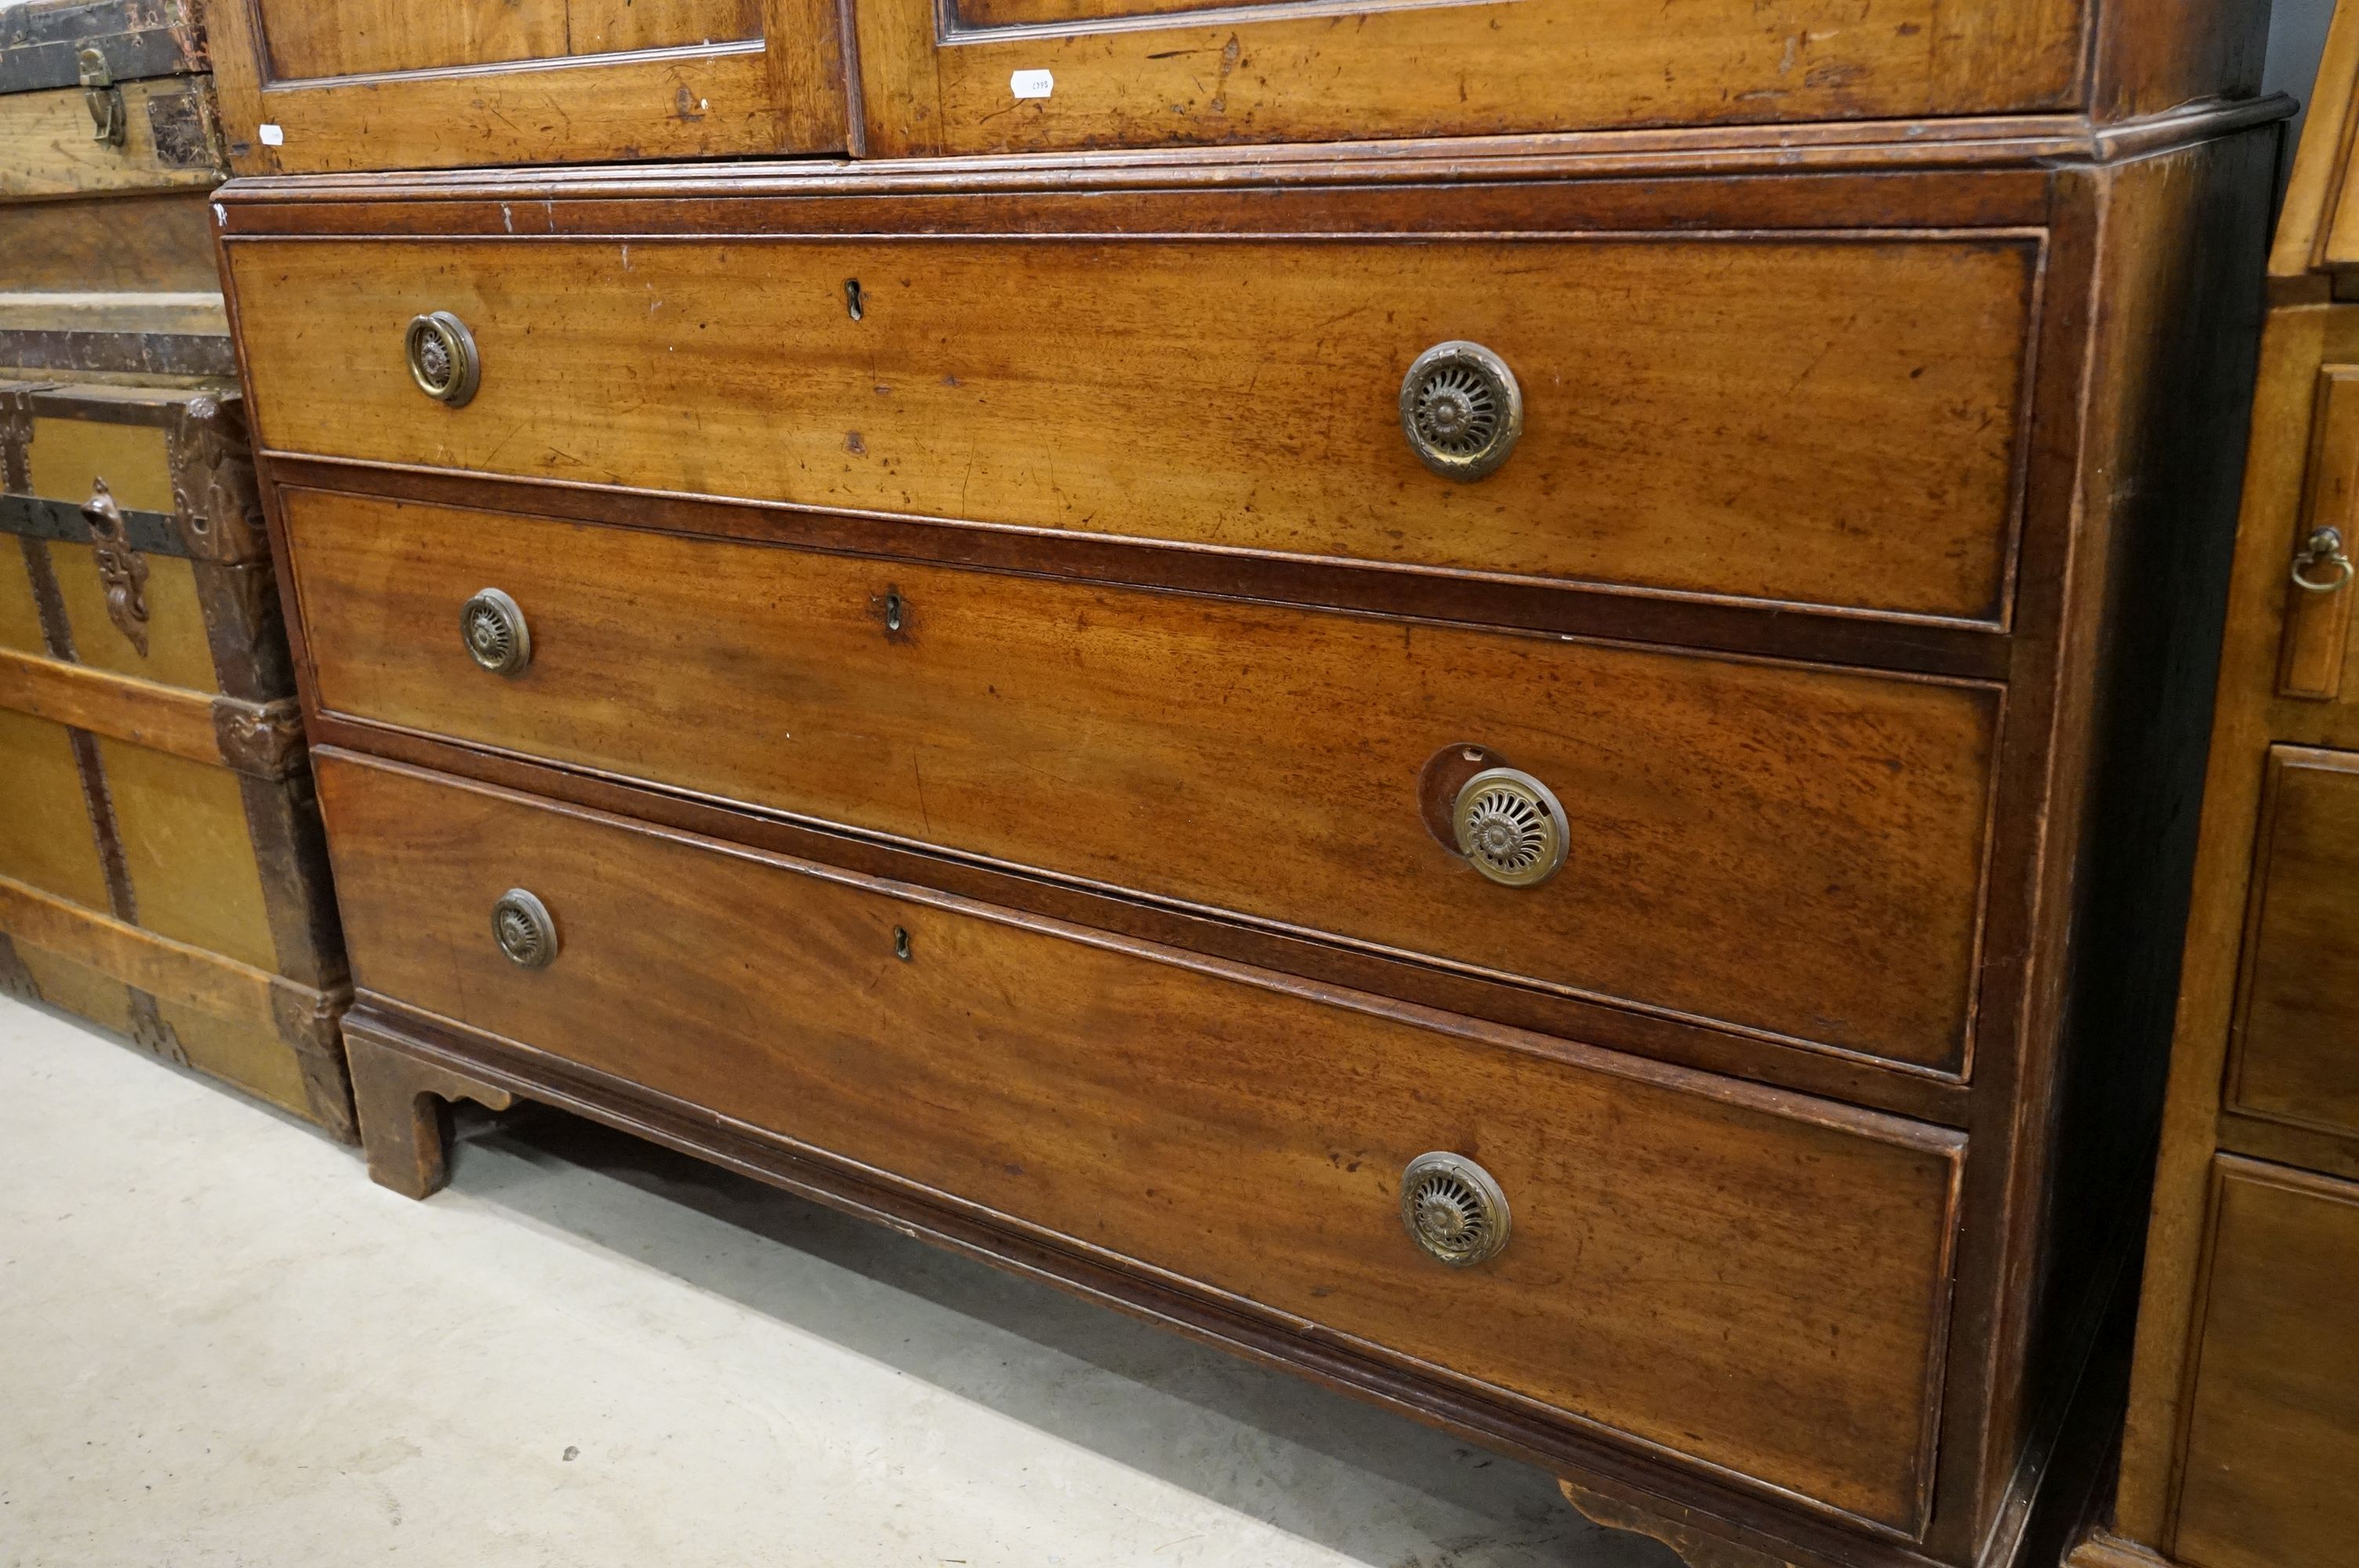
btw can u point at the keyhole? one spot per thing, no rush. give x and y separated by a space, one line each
901 943
851 297
892 611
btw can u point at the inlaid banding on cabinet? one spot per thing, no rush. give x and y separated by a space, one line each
1819 419
1740 831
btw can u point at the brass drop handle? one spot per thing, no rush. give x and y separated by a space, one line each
1461 409
493 627
1453 1210
522 928
442 358
2322 550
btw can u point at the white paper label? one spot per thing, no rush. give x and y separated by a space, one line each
1032 83
272 135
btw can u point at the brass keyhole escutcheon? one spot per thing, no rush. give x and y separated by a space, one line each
493 627
1452 1208
442 358
1461 409
523 929
901 943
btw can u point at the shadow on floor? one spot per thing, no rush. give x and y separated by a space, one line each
1449 1505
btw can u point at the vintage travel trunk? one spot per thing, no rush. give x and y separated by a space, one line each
105 265
160 863
161 870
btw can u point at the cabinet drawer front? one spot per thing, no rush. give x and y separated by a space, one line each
1739 831
1819 421
1746 1277
2273 1428
2297 1051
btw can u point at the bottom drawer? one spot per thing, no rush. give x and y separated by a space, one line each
2273 1428
1743 1276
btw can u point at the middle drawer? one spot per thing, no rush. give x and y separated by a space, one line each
1741 832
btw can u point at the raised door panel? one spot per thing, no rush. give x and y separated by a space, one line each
1751 1279
320 86
2295 1058
2269 1478
969 76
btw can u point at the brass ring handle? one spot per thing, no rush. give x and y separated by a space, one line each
493 627
1461 409
2322 548
522 928
442 358
1452 1208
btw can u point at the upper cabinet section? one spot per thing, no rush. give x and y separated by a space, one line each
313 86
326 86
992 76
983 76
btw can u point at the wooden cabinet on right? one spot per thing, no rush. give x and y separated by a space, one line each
2240 1447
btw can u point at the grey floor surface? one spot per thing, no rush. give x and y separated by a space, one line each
220 1344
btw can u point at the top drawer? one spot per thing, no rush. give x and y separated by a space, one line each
1811 420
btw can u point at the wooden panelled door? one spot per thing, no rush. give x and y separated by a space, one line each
984 76
313 86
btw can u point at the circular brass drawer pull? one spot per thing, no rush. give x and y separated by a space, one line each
1461 410
1510 827
1453 1210
521 925
442 358
493 627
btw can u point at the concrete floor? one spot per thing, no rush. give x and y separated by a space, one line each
220 1344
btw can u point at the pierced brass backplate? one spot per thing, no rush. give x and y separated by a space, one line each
493 626
1510 826
522 928
1452 1208
1461 410
442 358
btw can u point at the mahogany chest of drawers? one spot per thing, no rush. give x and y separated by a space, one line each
1491 764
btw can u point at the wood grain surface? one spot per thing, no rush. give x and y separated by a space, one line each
2292 1056
1675 1237
1284 72
1740 831
1819 420
2273 1418
349 37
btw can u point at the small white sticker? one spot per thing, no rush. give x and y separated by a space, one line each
221 216
1032 83
272 135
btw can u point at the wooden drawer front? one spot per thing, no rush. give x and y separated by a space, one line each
2273 1431
1747 1277
2296 1057
1741 831
1815 420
